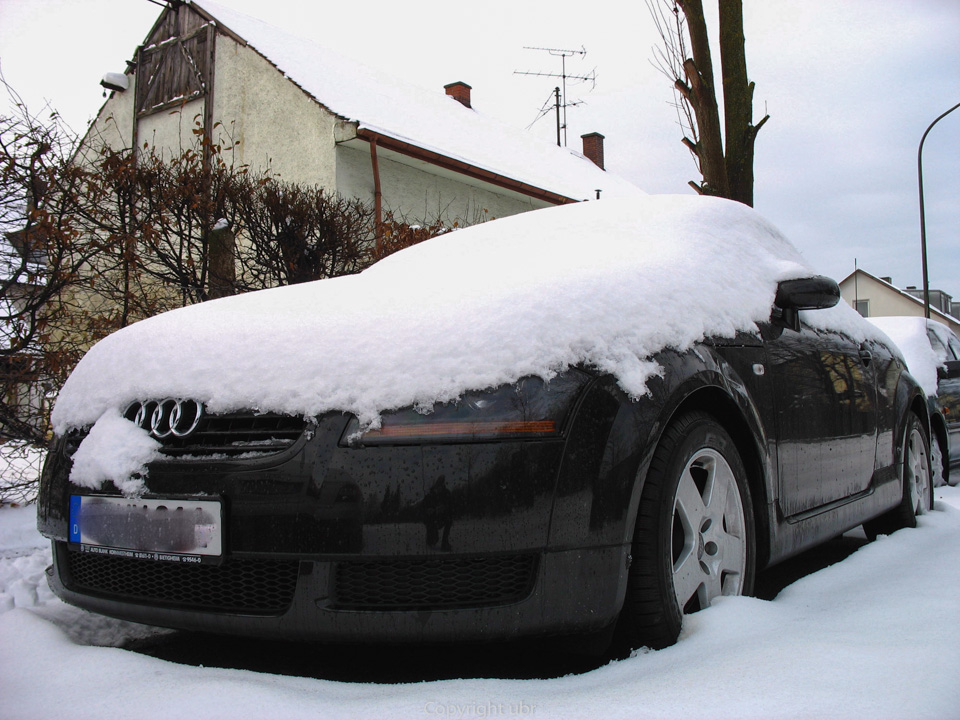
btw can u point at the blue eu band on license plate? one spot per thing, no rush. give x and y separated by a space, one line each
186 531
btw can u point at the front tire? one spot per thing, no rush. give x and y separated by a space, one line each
694 539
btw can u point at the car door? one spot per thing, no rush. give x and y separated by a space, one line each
825 393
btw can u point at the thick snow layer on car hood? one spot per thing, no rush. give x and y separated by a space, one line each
607 283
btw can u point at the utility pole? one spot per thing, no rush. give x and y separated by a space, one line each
560 93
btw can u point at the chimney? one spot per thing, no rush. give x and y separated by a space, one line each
888 280
460 92
593 148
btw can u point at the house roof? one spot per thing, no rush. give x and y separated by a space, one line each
412 118
942 316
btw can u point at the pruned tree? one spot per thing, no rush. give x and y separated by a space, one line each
397 233
41 258
723 151
297 233
96 237
158 216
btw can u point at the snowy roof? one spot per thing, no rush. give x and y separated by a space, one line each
605 284
428 120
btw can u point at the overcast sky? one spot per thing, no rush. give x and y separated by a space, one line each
850 86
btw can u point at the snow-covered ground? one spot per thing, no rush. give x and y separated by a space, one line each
876 636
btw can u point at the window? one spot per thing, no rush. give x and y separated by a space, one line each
938 347
954 345
862 307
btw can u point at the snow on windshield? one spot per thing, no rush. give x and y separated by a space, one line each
606 283
910 335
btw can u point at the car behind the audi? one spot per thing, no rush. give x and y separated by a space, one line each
588 420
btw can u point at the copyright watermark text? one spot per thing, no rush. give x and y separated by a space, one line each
475 709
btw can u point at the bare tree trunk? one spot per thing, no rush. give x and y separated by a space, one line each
699 91
222 271
739 130
725 158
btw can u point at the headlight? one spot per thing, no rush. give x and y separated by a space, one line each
529 408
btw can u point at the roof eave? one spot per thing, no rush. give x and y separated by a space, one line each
434 158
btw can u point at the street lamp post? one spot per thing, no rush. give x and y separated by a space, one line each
923 225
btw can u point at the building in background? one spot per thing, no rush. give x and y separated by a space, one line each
291 107
874 296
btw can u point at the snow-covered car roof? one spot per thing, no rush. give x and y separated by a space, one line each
605 284
910 335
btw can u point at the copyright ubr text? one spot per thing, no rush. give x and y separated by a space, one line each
480 710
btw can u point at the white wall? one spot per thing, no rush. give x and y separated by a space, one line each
421 194
113 125
171 131
885 301
277 125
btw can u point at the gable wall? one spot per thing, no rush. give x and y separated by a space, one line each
171 131
113 125
277 125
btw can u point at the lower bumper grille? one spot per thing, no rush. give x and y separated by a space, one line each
434 584
257 587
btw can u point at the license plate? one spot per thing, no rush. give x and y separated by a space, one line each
184 531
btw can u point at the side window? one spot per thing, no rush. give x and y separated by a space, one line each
938 347
954 347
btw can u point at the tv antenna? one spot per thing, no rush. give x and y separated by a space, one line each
558 99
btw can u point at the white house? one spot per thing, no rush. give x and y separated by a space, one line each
314 117
874 296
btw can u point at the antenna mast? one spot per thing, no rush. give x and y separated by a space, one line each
560 102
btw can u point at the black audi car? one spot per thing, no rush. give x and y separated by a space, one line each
577 501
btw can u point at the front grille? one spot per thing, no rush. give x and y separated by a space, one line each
236 434
258 587
434 584
225 435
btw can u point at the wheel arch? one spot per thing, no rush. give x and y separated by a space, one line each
718 403
916 405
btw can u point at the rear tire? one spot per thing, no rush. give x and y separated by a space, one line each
694 538
916 480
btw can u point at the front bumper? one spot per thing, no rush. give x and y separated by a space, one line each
567 592
486 540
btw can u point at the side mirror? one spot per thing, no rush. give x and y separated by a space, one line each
949 370
812 293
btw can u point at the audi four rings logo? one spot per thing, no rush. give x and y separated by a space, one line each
166 417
